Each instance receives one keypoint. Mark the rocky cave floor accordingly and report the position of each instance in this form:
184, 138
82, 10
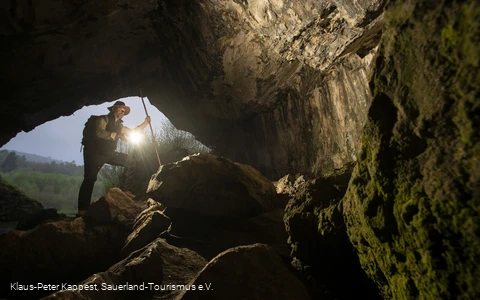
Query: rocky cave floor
260, 245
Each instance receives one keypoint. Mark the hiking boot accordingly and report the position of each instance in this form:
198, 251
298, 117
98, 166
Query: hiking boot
129, 194
80, 213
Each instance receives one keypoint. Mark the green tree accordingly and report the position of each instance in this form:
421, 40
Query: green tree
21, 162
10, 162
169, 138
172, 145
3, 155
40, 181
59, 191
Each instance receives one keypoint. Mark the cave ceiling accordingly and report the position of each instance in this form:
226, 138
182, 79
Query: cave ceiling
281, 85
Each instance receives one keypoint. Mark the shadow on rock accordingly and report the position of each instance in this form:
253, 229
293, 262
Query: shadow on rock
320, 245
246, 272
67, 250
45, 215
142, 274
213, 186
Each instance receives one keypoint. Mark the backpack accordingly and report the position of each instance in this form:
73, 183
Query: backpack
90, 135
89, 131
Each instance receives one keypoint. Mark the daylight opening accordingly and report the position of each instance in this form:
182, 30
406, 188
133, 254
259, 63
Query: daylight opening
47, 163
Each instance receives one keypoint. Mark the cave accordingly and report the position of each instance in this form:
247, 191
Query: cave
233, 74
385, 89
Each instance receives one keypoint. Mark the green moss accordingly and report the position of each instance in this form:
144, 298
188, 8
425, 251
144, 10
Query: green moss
460, 47
425, 245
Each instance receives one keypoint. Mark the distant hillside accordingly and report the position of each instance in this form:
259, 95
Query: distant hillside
34, 157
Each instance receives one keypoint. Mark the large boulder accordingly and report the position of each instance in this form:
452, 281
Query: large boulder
67, 250
114, 207
142, 274
216, 204
180, 266
209, 238
127, 277
14, 205
55, 252
212, 186
155, 271
246, 272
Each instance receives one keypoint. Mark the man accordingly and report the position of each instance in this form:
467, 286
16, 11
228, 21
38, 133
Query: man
101, 149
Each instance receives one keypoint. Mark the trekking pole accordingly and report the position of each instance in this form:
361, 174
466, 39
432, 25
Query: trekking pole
151, 130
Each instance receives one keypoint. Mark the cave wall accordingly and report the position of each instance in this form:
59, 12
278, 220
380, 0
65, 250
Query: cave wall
281, 85
413, 205
315, 127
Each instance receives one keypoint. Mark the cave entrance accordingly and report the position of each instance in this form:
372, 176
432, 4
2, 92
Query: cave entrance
60, 139
48, 163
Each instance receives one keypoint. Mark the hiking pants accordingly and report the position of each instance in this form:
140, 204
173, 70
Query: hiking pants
93, 161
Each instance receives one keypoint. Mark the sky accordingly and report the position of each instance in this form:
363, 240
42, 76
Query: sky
60, 139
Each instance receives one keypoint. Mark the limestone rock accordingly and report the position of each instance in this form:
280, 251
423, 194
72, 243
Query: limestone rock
59, 251
152, 206
288, 183
14, 205
155, 222
133, 274
286, 186
116, 207
208, 185
180, 266
154, 268
246, 272
412, 208
319, 243
68, 250
303, 219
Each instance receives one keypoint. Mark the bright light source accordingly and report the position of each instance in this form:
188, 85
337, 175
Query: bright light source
135, 137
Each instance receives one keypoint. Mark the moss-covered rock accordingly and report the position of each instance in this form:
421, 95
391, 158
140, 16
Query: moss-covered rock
14, 205
412, 207
319, 242
312, 218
